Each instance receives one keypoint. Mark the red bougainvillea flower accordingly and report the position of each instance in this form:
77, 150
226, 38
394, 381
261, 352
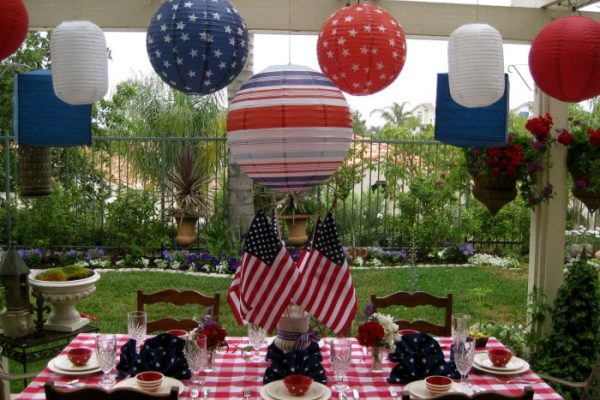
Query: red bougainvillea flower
565, 137
540, 126
594, 136
215, 335
580, 184
370, 334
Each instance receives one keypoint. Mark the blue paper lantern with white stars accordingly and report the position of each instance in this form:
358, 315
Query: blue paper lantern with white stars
197, 46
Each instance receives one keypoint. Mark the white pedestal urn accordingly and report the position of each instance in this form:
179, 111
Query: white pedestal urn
63, 296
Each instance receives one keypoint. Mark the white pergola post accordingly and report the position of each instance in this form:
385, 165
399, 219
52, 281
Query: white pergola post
547, 237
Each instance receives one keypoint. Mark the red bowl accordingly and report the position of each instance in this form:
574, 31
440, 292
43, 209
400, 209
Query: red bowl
178, 332
149, 381
406, 332
79, 356
297, 385
499, 357
437, 384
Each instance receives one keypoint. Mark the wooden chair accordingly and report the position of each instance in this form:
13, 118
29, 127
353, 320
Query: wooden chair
526, 395
178, 298
98, 393
414, 299
590, 388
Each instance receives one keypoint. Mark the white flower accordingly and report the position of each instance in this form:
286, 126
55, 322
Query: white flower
359, 261
390, 329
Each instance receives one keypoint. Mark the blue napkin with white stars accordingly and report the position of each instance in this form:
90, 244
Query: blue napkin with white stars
296, 362
418, 356
162, 353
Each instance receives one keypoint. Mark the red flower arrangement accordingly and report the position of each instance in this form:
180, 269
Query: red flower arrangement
583, 155
521, 159
215, 334
370, 334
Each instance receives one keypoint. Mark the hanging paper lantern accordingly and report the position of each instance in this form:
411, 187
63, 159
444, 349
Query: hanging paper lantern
289, 128
14, 22
197, 46
362, 48
79, 62
564, 59
476, 65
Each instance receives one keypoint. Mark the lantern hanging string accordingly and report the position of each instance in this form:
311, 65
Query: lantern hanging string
477, 11
289, 32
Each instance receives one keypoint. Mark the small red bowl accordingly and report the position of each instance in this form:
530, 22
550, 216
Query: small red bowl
499, 357
297, 385
149, 381
178, 332
406, 332
437, 384
79, 356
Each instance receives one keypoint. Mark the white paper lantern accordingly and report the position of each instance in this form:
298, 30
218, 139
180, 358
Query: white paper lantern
79, 62
476, 65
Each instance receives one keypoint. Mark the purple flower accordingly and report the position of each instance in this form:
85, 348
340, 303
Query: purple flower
534, 201
534, 167
233, 263
581, 184
93, 253
369, 309
537, 145
547, 192
466, 249
71, 253
167, 256
475, 152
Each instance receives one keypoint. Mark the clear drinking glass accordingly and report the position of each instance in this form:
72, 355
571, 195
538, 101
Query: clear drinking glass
106, 349
464, 352
341, 355
460, 326
136, 327
256, 336
196, 355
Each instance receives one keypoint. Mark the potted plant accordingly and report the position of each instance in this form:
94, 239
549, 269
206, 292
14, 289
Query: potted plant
187, 181
497, 170
62, 288
480, 330
296, 209
583, 161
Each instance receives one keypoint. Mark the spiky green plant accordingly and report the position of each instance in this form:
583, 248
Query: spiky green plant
188, 182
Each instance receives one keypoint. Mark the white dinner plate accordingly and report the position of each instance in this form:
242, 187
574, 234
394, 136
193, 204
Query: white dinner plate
62, 362
419, 390
164, 388
497, 371
483, 360
55, 368
276, 391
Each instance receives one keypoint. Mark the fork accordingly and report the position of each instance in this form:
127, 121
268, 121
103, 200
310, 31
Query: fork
247, 393
393, 394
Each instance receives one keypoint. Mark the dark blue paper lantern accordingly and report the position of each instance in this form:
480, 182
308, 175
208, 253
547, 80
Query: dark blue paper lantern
197, 46
41, 119
470, 127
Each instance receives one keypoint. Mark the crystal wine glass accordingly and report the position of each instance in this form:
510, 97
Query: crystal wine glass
136, 327
196, 355
106, 348
464, 352
256, 336
460, 326
341, 355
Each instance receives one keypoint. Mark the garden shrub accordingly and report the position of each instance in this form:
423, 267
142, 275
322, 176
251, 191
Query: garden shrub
573, 346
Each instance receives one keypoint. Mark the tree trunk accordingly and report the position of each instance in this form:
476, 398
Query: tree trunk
240, 203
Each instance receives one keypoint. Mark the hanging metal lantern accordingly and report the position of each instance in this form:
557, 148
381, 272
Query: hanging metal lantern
79, 62
14, 22
476, 65
362, 48
34, 171
289, 128
197, 46
14, 275
564, 59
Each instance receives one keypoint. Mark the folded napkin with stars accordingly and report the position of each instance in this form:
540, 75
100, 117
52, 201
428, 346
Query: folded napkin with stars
302, 362
418, 356
162, 353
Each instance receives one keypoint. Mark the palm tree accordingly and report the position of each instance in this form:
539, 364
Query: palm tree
394, 115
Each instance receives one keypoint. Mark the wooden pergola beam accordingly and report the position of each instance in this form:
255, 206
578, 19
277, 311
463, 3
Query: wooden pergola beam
423, 19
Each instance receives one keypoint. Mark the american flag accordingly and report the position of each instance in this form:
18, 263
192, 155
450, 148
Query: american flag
325, 286
264, 282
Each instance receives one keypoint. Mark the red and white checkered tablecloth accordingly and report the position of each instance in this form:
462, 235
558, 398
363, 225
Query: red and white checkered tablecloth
233, 373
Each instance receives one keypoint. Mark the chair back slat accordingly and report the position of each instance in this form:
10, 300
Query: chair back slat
97, 393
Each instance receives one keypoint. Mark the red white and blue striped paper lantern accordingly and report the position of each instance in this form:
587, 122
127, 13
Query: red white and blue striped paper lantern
289, 128
197, 46
362, 48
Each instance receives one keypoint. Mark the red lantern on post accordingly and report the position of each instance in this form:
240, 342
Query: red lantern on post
14, 22
564, 59
362, 48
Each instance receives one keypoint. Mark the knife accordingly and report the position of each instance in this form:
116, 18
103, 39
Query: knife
354, 394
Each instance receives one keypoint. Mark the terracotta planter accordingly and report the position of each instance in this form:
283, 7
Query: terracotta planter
494, 191
186, 230
296, 225
590, 198
63, 296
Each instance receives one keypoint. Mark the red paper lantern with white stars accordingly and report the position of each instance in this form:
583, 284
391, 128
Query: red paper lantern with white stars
362, 48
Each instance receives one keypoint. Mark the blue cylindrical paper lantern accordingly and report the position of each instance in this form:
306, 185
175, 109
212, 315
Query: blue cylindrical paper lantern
197, 46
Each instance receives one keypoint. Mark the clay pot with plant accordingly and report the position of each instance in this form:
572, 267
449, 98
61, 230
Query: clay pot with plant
192, 202
296, 209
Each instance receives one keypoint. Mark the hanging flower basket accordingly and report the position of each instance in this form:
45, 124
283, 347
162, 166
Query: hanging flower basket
494, 191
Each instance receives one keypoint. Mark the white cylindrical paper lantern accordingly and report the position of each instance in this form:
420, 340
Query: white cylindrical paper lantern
79, 62
476, 65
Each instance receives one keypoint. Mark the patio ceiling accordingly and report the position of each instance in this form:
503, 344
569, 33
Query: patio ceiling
518, 22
